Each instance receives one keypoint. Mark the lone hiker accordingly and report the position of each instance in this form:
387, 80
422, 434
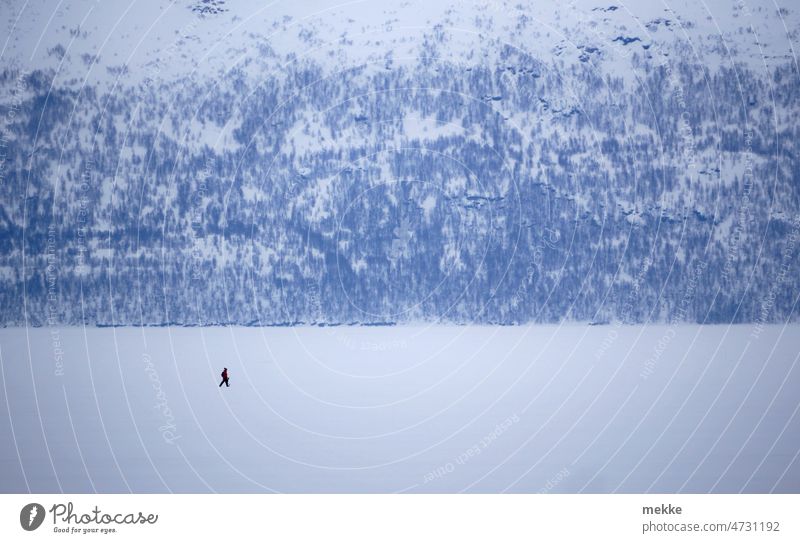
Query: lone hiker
225, 377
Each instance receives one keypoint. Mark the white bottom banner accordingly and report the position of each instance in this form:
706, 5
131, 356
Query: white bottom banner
437, 518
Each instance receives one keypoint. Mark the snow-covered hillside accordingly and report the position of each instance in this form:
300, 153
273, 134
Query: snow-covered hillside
211, 162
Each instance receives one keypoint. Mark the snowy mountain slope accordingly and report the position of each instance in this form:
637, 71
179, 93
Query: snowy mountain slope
85, 39
381, 162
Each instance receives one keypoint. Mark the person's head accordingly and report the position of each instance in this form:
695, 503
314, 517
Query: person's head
226, 369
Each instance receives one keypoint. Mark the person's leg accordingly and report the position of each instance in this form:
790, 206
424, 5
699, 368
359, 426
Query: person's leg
227, 384
220, 383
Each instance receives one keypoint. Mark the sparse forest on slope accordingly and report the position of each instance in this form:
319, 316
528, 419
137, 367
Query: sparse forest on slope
503, 189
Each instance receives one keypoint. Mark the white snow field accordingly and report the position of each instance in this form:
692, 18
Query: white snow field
571, 408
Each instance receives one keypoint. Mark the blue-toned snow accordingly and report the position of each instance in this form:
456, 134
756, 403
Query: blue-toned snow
570, 408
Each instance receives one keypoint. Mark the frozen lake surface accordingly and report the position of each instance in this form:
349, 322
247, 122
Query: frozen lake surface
570, 408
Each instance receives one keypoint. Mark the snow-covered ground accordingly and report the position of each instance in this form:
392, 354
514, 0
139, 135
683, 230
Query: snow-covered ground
94, 42
570, 408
